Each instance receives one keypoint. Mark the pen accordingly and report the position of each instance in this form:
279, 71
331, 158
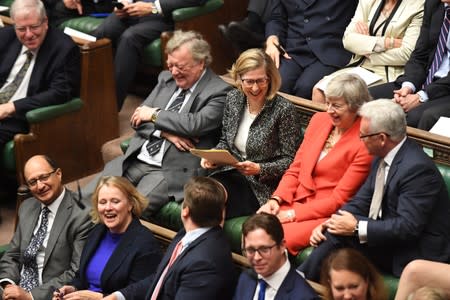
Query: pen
280, 48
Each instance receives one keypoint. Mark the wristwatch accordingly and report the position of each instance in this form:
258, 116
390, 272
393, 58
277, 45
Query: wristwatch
154, 9
356, 230
155, 115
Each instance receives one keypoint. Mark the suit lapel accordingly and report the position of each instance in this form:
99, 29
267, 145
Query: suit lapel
10, 58
28, 229
90, 248
287, 285
200, 87
121, 252
62, 215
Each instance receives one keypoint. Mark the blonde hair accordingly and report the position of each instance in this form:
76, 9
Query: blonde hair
252, 59
137, 201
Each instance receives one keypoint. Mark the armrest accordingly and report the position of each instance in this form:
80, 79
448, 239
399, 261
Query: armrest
187, 13
124, 145
49, 112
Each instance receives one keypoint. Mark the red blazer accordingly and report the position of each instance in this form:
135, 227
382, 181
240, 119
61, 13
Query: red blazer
318, 189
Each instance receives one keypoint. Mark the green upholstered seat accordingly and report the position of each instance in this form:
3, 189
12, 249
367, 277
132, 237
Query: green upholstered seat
37, 115
3, 249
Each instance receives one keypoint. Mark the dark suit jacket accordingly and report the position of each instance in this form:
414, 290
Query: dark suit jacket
416, 69
415, 209
204, 270
310, 29
137, 255
294, 286
62, 255
276, 126
56, 74
200, 118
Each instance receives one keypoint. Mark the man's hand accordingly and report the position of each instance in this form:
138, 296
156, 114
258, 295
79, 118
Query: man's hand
139, 9
401, 93
342, 223
7, 109
142, 114
273, 51
317, 235
182, 143
122, 13
74, 4
83, 295
65, 290
271, 207
15, 292
110, 297
248, 168
409, 102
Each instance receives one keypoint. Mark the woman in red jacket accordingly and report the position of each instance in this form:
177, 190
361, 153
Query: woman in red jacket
328, 168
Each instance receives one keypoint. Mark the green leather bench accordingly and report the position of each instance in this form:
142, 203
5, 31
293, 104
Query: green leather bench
153, 53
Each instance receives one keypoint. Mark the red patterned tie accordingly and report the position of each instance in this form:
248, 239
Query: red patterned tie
173, 257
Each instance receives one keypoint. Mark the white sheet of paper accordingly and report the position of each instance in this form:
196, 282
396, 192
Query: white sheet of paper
367, 76
79, 34
442, 127
3, 8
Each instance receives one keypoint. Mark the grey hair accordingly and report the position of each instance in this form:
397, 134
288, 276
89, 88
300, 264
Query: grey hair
385, 116
351, 87
199, 48
27, 7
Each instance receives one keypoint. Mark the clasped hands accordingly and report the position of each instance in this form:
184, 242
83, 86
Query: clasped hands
341, 223
273, 207
406, 99
15, 292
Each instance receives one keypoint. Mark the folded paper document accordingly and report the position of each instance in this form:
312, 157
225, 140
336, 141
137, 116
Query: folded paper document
216, 156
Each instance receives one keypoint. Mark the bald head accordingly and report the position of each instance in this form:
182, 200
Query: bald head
43, 178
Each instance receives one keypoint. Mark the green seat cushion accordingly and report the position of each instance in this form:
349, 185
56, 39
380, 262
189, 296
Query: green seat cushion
9, 158
187, 13
169, 216
124, 145
3, 249
83, 24
233, 229
152, 54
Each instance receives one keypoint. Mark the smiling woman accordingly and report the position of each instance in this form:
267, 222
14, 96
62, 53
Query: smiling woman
119, 250
260, 129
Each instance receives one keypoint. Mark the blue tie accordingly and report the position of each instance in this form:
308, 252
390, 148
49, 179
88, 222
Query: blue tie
262, 289
441, 48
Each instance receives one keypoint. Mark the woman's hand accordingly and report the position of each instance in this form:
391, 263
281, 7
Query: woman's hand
206, 164
59, 294
271, 207
286, 216
362, 28
83, 295
248, 168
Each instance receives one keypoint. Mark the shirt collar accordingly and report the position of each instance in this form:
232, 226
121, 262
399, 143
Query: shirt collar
192, 235
55, 204
391, 154
192, 88
276, 279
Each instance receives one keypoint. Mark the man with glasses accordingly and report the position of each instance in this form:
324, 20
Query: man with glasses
46, 247
271, 276
401, 211
39, 66
183, 111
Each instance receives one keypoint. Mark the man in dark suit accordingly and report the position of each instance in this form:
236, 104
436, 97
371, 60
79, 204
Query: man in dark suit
401, 211
55, 225
132, 28
197, 264
310, 33
161, 173
422, 95
46, 75
272, 275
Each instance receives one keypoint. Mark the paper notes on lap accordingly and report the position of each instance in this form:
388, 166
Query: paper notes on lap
216, 156
368, 76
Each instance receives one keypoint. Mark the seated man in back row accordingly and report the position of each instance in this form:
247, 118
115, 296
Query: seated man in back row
183, 111
401, 211
39, 66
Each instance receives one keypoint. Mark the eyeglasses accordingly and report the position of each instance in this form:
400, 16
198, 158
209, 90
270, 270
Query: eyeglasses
259, 82
363, 136
334, 106
181, 68
41, 178
32, 28
263, 250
